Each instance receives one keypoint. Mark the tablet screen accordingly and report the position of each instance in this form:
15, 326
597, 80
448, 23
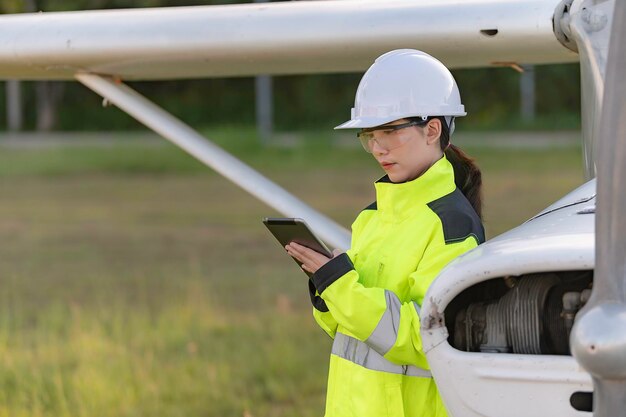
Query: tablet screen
287, 230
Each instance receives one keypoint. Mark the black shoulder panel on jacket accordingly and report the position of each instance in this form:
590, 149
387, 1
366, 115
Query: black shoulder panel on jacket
372, 206
458, 218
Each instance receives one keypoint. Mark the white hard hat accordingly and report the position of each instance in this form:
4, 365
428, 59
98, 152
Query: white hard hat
404, 83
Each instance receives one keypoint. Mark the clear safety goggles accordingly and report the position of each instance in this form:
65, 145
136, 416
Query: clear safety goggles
388, 137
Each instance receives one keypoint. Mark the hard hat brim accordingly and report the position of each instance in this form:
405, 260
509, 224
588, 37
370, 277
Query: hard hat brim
367, 122
364, 122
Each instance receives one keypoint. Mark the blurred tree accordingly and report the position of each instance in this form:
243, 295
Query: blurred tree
67, 5
12, 6
559, 86
49, 95
489, 94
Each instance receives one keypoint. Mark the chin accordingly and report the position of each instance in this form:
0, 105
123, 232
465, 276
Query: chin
398, 178
402, 176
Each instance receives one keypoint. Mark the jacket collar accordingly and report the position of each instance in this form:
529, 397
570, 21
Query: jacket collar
396, 201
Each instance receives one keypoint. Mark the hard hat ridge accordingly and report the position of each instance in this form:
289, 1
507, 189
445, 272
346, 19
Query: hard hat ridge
398, 52
404, 83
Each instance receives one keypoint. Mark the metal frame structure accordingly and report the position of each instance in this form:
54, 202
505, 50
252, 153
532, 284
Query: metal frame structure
588, 23
599, 336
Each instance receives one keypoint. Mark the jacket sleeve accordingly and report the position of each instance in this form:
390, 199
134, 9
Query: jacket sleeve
321, 314
376, 316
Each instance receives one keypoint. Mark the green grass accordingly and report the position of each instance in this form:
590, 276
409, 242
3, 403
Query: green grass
136, 282
130, 156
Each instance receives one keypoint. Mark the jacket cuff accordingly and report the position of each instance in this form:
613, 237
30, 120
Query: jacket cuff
316, 300
331, 272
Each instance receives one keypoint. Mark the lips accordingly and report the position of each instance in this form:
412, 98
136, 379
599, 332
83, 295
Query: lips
387, 165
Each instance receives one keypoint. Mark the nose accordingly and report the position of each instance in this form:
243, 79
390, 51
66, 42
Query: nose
377, 149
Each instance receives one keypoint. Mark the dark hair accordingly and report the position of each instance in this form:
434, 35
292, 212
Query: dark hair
467, 176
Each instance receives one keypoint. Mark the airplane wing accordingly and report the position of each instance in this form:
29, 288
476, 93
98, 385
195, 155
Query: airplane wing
275, 38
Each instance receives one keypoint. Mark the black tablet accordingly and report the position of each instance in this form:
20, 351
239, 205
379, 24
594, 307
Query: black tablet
287, 230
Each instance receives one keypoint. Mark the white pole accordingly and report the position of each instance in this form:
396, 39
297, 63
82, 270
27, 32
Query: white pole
264, 106
527, 93
14, 106
215, 157
264, 102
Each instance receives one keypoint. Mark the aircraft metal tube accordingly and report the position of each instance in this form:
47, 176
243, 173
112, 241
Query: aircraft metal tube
590, 28
275, 38
213, 156
598, 338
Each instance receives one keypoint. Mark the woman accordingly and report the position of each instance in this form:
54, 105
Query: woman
427, 212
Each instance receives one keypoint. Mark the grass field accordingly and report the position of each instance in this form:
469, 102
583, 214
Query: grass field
136, 282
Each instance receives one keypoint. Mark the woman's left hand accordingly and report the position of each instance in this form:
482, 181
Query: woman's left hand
311, 260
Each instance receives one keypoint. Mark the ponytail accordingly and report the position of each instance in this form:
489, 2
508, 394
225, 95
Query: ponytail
467, 176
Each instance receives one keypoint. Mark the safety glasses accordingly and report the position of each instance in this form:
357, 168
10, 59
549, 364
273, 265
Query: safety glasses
388, 138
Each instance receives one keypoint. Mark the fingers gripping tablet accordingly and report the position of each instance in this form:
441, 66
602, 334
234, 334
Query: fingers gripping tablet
287, 230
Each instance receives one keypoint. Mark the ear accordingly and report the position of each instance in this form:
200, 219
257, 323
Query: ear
433, 132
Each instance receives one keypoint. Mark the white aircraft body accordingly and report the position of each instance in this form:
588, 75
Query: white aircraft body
496, 323
506, 335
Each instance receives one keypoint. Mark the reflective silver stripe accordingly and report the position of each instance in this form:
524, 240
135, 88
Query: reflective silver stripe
415, 371
360, 353
384, 335
418, 308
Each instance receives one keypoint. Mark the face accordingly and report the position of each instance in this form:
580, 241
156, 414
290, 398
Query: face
419, 150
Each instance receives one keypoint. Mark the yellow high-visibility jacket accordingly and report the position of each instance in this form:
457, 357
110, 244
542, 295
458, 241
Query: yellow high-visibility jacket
369, 299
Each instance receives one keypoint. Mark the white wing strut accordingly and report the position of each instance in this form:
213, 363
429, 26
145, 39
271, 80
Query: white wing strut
598, 339
590, 24
212, 155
